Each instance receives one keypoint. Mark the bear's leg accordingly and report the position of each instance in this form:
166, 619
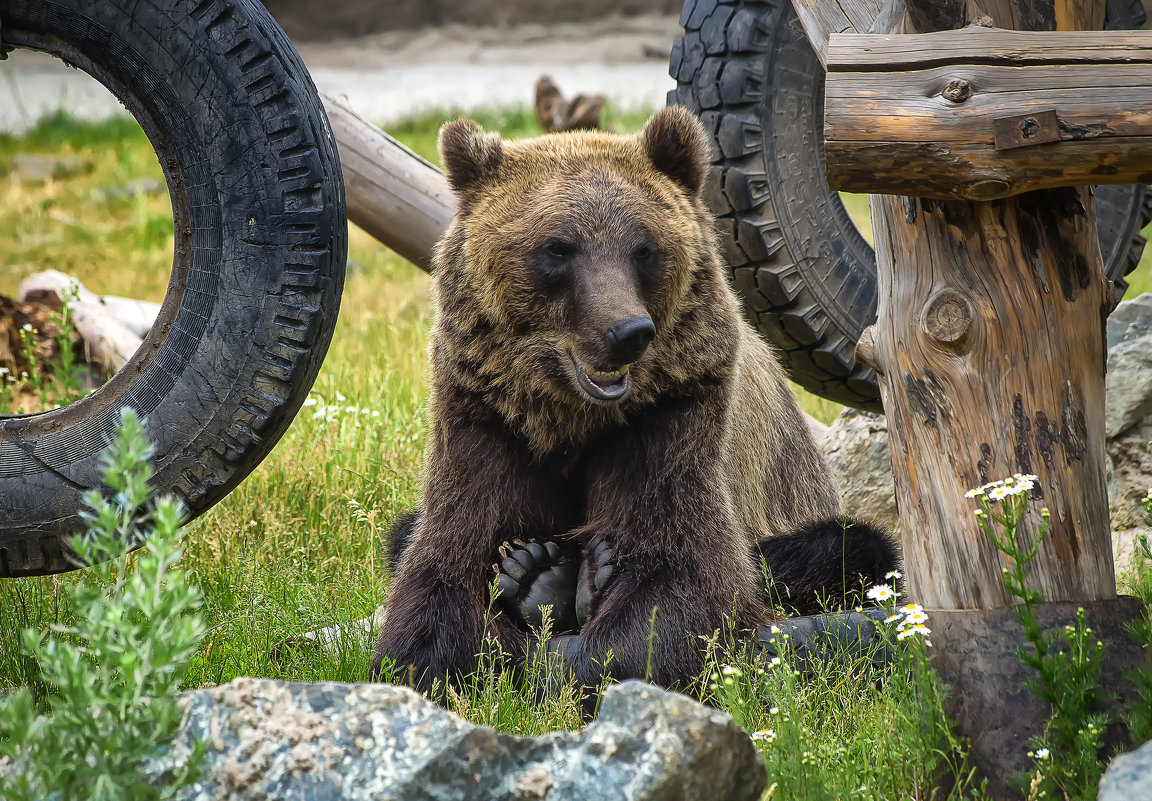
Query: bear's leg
535, 575
438, 607
825, 565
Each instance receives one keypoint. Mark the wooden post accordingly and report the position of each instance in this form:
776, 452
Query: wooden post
989, 344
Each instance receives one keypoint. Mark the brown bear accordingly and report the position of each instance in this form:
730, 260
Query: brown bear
594, 385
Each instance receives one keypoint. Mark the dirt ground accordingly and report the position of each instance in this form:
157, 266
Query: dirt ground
391, 74
311, 20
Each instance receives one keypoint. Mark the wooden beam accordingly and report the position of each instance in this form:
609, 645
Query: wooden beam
989, 346
853, 52
951, 118
392, 193
821, 18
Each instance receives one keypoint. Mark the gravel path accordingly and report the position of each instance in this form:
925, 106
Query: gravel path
391, 75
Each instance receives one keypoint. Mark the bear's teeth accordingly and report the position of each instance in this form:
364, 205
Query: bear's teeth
592, 371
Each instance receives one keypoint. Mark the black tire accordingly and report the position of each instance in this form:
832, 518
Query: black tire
261, 244
806, 276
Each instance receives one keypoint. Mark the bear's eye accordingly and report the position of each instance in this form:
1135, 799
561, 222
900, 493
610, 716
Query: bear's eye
646, 257
559, 249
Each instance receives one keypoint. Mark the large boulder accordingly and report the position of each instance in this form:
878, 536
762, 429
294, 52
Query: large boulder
856, 447
323, 742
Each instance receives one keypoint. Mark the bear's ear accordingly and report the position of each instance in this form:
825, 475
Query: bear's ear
469, 155
678, 146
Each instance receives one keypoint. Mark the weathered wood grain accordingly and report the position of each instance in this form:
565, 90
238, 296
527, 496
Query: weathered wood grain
932, 131
392, 193
990, 353
822, 18
863, 52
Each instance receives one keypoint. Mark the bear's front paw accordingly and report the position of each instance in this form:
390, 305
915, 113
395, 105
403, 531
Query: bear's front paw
595, 572
534, 575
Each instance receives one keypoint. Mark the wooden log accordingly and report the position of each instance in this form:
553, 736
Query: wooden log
878, 52
392, 193
822, 18
947, 117
989, 343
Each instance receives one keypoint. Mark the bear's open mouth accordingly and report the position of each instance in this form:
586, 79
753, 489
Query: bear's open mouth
601, 385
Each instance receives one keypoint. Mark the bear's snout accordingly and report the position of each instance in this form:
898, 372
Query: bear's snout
628, 340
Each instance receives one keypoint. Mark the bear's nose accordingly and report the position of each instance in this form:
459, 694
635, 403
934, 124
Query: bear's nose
629, 339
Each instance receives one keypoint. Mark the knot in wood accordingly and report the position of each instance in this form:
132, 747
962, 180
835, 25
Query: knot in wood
948, 318
987, 189
957, 91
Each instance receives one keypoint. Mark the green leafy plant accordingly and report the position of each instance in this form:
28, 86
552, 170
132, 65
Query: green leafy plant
28, 345
1067, 754
54, 381
68, 374
111, 674
1139, 712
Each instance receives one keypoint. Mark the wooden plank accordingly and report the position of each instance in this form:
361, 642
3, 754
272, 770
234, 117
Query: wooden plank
856, 52
821, 18
392, 193
898, 133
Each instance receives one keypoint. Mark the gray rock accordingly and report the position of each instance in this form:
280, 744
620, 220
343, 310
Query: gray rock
271, 739
1129, 777
1129, 380
1130, 320
1129, 479
856, 447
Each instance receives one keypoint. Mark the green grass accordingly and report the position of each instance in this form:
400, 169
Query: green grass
298, 544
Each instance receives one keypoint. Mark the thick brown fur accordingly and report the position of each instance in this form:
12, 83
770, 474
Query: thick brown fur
706, 453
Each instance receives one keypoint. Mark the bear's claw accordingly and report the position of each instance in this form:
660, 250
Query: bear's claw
595, 571
533, 575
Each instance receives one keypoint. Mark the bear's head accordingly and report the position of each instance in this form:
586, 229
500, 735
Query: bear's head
577, 248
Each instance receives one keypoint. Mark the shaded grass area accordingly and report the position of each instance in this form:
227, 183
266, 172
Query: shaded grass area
298, 545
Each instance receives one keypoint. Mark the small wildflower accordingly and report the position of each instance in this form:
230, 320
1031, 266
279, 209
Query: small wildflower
1042, 753
774, 710
974, 493
731, 670
774, 662
340, 398
980, 513
767, 735
310, 401
894, 574
919, 630
881, 592
28, 327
